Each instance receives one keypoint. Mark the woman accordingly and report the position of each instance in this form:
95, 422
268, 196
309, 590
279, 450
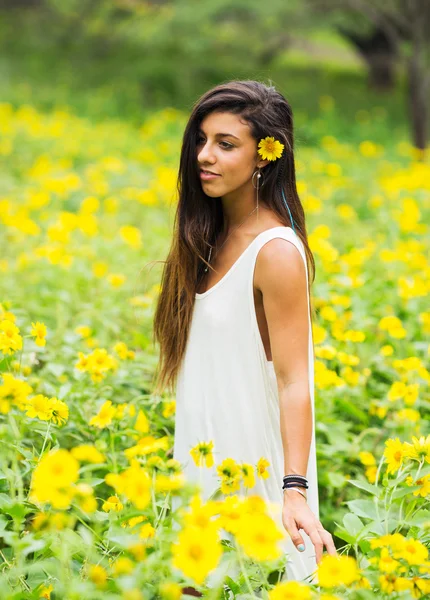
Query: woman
233, 318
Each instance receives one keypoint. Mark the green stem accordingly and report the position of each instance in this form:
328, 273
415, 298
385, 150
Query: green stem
163, 510
112, 448
243, 569
154, 504
419, 469
44, 441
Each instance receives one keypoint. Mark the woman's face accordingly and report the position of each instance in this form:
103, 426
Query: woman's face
225, 147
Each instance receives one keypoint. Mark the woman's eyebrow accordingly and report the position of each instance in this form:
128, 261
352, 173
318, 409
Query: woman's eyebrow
220, 134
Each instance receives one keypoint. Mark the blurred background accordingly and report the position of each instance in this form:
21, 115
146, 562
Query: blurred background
125, 58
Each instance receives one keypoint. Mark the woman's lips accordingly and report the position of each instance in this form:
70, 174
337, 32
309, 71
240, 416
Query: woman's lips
208, 176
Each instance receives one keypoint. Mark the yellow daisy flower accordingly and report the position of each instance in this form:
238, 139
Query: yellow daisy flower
269, 148
262, 465
202, 454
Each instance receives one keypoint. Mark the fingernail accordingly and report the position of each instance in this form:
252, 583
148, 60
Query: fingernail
301, 547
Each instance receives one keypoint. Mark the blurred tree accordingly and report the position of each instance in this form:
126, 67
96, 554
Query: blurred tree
396, 30
379, 52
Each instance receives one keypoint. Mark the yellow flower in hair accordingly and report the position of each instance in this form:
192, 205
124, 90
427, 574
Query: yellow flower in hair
270, 148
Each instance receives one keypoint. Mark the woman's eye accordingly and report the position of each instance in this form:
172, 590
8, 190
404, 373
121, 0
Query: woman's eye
227, 146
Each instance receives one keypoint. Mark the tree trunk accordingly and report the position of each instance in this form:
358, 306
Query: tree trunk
382, 73
380, 55
417, 101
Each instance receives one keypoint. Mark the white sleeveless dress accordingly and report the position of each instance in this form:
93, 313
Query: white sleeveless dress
227, 392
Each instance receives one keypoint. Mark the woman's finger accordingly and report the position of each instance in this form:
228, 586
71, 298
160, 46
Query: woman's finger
314, 534
327, 538
291, 527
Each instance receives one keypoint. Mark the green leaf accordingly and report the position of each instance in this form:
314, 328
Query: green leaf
55, 369
343, 534
420, 518
337, 480
232, 585
33, 545
16, 511
348, 407
364, 485
353, 524
365, 508
405, 491
425, 470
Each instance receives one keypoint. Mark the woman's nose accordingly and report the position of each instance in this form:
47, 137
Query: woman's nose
205, 154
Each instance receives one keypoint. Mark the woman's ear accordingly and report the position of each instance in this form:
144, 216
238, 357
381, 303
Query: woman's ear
262, 163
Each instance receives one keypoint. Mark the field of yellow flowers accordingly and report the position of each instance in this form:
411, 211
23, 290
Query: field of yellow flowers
87, 475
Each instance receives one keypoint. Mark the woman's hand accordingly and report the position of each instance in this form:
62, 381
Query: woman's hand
296, 515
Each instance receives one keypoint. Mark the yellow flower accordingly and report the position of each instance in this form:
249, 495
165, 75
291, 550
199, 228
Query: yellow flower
104, 416
134, 483
83, 330
116, 279
131, 236
169, 483
146, 531
98, 575
113, 503
138, 550
290, 590
169, 409
230, 474
420, 448
60, 411
396, 541
196, 555
394, 453
269, 148
39, 332
123, 566
386, 562
228, 468
147, 445
53, 478
262, 465
337, 570
45, 591
170, 590
367, 458
133, 521
424, 482
86, 452
248, 475
390, 583
230, 513
259, 535
10, 338
142, 423
13, 392
58, 467
121, 349
39, 406
413, 551
202, 454
201, 514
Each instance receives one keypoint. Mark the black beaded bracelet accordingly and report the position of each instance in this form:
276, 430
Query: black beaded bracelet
294, 475
292, 484
296, 480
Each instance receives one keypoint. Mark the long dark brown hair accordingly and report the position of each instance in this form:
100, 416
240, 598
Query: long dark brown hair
199, 218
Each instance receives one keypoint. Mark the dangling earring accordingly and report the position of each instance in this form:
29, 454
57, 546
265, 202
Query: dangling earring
260, 183
271, 149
